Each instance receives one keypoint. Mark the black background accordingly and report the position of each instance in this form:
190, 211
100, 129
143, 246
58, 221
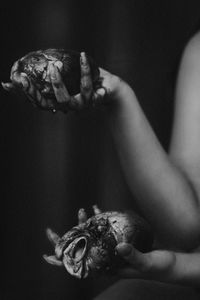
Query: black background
51, 165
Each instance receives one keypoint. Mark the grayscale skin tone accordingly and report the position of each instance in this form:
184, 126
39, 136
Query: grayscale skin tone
54, 237
165, 185
64, 102
89, 248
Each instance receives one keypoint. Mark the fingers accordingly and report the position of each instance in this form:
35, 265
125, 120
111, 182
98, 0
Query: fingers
61, 93
36, 98
86, 97
82, 216
137, 259
86, 86
161, 260
52, 236
77, 103
64, 100
23, 82
153, 262
99, 96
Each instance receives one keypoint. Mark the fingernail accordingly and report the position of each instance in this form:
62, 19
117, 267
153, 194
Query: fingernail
123, 249
52, 71
24, 82
59, 64
82, 215
83, 58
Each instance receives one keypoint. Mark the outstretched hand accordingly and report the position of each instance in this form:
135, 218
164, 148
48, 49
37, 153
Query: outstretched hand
89, 95
161, 265
152, 265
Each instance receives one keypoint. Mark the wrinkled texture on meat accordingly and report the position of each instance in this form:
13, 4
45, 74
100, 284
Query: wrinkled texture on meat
89, 248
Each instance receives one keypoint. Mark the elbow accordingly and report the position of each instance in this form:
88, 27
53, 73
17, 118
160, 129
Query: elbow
184, 237
188, 237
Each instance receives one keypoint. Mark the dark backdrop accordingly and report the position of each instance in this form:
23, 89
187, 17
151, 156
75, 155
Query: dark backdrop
51, 165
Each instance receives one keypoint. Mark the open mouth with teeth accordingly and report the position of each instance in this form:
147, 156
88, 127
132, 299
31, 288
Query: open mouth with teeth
74, 257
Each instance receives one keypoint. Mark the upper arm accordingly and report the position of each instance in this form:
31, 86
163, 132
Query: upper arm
185, 143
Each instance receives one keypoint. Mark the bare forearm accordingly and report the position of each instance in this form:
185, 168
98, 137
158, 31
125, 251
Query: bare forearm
182, 268
162, 191
186, 269
160, 265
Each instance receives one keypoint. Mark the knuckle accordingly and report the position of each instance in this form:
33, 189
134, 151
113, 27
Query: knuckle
61, 97
56, 83
86, 84
43, 103
85, 69
86, 87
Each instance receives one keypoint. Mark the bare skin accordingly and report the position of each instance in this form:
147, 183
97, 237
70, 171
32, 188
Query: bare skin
161, 265
172, 205
165, 186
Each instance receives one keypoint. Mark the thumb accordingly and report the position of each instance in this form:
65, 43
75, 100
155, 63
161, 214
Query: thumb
124, 249
138, 260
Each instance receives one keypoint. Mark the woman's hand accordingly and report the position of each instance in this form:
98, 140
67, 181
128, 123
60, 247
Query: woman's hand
89, 95
161, 265
146, 265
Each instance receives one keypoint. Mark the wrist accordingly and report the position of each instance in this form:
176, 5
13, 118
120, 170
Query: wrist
117, 90
120, 92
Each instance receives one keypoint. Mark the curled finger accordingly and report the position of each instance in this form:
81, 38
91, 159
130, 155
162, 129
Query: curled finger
61, 93
86, 86
82, 216
76, 102
36, 98
99, 96
138, 260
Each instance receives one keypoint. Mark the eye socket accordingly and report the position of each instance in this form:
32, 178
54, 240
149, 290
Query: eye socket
79, 249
